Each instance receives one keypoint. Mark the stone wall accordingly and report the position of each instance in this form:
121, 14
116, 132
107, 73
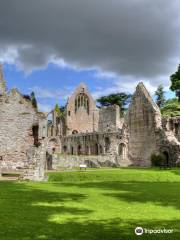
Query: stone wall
148, 134
82, 116
172, 124
36, 158
109, 119
143, 119
72, 161
18, 129
97, 143
81, 112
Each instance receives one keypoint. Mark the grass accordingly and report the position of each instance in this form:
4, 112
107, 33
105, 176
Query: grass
101, 204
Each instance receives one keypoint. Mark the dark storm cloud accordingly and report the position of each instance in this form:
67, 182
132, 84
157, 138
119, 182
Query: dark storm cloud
139, 38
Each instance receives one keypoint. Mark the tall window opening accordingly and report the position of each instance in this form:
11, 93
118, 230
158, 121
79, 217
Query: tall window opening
35, 130
122, 151
82, 100
107, 144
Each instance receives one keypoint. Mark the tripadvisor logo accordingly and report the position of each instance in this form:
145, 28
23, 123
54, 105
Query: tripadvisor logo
139, 231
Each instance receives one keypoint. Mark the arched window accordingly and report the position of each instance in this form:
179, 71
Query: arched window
82, 100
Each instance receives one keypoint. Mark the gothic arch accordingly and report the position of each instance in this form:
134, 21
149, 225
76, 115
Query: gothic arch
82, 100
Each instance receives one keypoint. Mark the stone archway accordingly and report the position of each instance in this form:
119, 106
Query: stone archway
53, 145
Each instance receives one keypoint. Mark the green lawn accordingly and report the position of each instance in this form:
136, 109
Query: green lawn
94, 205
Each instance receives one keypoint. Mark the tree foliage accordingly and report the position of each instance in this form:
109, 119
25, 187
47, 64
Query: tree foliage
57, 110
33, 100
160, 98
175, 82
171, 108
120, 99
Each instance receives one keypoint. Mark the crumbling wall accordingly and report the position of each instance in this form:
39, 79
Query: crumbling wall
74, 161
172, 124
93, 143
16, 134
143, 119
109, 118
148, 134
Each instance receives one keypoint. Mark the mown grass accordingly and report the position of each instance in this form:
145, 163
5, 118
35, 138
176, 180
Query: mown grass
100, 204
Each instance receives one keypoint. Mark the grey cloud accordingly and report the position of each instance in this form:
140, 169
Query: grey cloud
139, 38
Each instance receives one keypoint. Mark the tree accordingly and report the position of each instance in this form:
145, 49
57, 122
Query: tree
175, 83
33, 100
159, 93
57, 110
171, 108
121, 99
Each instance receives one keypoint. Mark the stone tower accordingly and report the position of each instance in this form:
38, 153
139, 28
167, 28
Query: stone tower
2, 81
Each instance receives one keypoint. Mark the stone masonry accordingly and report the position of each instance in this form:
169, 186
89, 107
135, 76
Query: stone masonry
33, 142
129, 141
21, 128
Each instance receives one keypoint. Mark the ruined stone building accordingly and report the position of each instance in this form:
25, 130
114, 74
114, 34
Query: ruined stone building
22, 128
101, 134
83, 133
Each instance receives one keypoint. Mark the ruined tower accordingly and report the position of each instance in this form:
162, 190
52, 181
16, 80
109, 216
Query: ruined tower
2, 81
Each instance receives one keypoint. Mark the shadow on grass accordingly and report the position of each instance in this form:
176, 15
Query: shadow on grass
26, 215
176, 171
159, 193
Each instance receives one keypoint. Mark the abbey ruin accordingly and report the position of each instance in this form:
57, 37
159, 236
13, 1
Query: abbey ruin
33, 141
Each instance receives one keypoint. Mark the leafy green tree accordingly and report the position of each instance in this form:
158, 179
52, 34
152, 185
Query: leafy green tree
160, 98
175, 83
121, 99
171, 108
33, 100
57, 110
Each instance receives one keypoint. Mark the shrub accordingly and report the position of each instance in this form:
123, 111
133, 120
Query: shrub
157, 159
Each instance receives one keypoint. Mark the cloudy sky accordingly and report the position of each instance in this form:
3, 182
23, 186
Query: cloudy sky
50, 46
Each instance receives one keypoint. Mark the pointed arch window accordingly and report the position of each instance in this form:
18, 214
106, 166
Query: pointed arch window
82, 100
